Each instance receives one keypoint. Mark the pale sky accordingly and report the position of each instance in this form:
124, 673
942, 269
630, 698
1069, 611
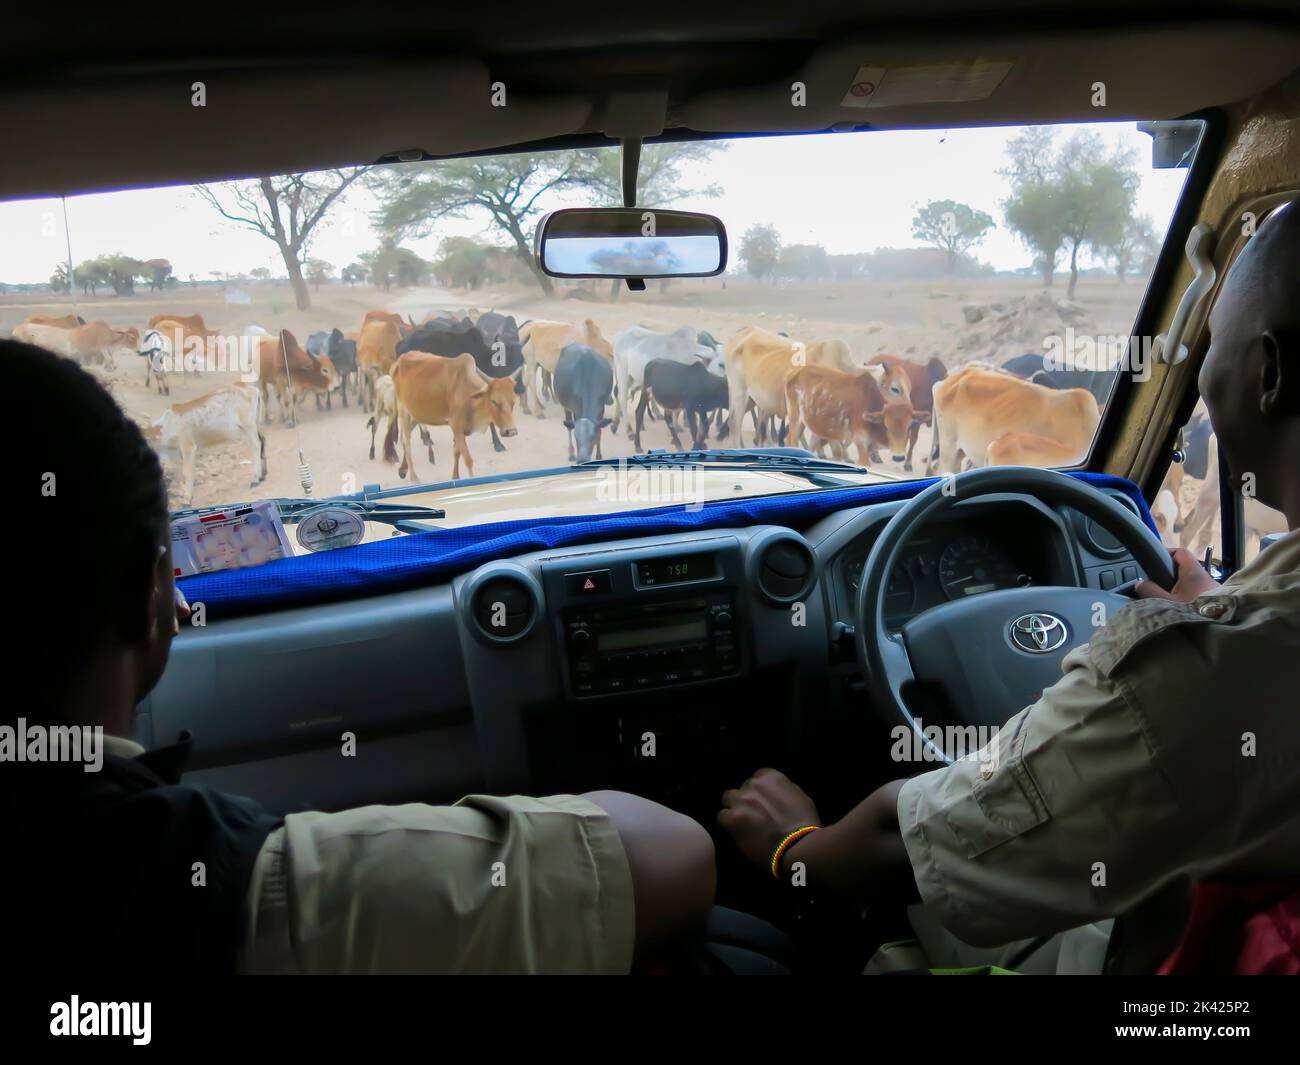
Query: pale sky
849, 192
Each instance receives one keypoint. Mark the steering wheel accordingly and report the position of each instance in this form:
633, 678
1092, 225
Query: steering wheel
992, 654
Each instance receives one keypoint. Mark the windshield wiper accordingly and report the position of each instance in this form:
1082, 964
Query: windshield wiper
402, 516
808, 466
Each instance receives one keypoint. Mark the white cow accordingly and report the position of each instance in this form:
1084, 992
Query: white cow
635, 348
226, 416
156, 350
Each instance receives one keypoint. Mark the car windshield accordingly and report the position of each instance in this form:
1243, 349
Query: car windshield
869, 274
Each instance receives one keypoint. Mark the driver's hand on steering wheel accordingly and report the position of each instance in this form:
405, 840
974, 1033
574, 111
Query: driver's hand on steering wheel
760, 813
1192, 581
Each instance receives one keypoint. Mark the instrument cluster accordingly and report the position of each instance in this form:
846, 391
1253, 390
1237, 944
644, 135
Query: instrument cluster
952, 561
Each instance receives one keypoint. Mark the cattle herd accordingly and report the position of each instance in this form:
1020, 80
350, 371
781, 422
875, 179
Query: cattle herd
470, 371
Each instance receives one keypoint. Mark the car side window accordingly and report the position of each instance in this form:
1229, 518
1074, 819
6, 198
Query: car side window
1188, 509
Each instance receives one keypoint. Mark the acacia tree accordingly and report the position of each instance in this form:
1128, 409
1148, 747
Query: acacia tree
159, 271
1135, 249
319, 271
287, 210
953, 227
760, 251
1078, 197
389, 264
513, 191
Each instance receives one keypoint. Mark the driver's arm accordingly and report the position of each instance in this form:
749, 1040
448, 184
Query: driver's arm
861, 852
1126, 774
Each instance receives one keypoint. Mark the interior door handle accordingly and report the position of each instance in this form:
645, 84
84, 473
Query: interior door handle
1169, 347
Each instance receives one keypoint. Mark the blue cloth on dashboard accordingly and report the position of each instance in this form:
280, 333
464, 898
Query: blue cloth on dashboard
427, 558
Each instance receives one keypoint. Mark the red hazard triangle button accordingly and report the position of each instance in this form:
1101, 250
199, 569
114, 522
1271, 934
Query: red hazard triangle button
588, 582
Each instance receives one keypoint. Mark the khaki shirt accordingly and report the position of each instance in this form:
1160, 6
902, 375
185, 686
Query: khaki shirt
1169, 750
489, 885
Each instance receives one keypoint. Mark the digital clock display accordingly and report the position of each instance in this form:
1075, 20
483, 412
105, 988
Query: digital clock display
676, 569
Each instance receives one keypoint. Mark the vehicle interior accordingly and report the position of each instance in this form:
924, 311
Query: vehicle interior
674, 663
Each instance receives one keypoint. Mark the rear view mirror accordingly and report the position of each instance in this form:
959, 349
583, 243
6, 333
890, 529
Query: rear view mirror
630, 242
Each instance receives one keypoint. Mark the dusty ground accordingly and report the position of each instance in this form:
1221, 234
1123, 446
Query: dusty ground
905, 318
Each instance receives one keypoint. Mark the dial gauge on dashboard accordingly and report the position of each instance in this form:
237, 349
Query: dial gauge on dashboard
974, 564
901, 594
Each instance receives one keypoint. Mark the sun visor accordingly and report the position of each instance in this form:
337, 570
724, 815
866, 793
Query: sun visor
1089, 76
191, 126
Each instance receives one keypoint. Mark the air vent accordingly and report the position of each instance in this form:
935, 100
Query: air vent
782, 567
502, 605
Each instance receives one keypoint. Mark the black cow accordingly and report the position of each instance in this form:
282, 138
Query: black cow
1032, 367
493, 325
509, 356
343, 353
498, 357
692, 389
496, 354
584, 386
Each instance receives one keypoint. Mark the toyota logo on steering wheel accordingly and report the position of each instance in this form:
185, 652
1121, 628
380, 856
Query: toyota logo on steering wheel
1038, 634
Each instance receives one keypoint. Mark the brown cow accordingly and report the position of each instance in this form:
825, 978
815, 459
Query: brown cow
758, 362
192, 322
93, 344
435, 390
923, 378
1030, 449
284, 365
542, 342
66, 321
868, 407
376, 353
977, 405
405, 326
182, 333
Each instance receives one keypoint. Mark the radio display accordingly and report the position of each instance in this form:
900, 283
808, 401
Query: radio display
631, 639
674, 569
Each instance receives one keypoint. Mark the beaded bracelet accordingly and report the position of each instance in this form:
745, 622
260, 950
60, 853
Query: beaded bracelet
798, 833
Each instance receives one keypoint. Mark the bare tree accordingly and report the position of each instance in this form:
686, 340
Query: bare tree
286, 210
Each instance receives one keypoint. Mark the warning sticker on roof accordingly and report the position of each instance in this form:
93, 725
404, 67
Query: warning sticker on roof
949, 82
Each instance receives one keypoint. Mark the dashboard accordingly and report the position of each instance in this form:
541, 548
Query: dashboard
551, 671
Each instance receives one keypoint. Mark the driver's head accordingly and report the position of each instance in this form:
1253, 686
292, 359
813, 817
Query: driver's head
1251, 375
86, 539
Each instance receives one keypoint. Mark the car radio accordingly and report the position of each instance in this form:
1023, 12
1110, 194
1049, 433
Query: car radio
619, 648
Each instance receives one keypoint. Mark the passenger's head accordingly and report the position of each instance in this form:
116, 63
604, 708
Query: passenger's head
87, 541
1251, 375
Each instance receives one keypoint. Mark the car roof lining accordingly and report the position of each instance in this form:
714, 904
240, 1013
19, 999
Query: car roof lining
104, 116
